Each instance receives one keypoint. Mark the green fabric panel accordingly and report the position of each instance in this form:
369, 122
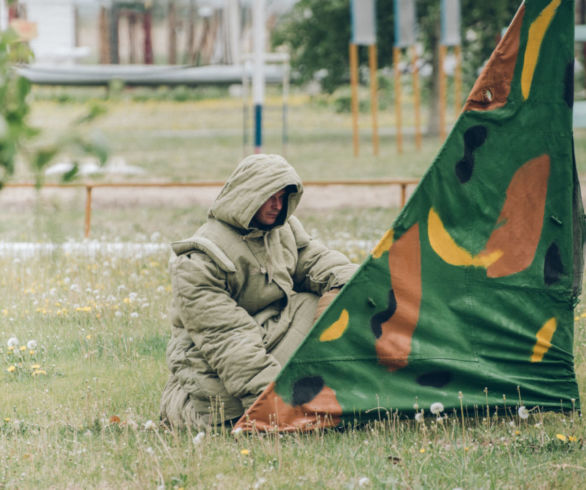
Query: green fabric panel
475, 334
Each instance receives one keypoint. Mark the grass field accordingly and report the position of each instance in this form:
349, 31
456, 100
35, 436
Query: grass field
80, 408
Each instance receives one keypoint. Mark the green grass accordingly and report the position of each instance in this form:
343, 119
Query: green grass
83, 421
101, 325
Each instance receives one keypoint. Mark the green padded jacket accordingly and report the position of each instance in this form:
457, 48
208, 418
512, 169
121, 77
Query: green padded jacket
237, 290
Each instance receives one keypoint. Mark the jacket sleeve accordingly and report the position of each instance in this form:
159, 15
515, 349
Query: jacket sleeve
319, 268
228, 337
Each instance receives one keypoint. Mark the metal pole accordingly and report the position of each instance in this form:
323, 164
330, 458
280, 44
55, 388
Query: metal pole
245, 104
258, 79
398, 116
458, 79
442, 92
373, 96
286, 74
354, 91
417, 98
3, 16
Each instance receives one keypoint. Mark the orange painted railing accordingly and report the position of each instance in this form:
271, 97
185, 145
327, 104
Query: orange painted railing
402, 183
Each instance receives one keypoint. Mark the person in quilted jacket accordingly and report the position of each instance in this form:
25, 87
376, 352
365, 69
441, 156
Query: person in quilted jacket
246, 288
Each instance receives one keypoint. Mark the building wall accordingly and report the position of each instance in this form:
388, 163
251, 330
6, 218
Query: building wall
55, 27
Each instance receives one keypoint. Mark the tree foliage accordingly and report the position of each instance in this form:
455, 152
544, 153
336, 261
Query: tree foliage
317, 34
17, 137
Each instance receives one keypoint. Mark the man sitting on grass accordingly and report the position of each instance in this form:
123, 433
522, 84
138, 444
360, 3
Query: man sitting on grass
246, 289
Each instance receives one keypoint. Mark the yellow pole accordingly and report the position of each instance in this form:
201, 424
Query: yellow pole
373, 96
354, 88
458, 79
442, 92
396, 58
417, 98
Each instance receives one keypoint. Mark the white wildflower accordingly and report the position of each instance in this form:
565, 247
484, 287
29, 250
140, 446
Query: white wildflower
419, 417
161, 289
31, 345
13, 342
523, 412
118, 314
198, 439
134, 314
150, 450
436, 408
260, 482
364, 481
237, 431
150, 425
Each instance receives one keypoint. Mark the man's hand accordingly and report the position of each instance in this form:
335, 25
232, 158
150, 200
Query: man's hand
324, 302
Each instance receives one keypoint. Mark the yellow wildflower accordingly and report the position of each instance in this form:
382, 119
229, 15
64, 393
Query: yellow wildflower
88, 336
36, 372
11, 369
23, 347
561, 437
5, 312
6, 419
422, 450
571, 439
31, 352
244, 452
36, 366
84, 309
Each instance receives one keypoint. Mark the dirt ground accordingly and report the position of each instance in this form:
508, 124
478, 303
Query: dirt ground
315, 197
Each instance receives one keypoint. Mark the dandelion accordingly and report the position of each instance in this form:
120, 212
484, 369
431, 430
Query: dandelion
523, 412
561, 437
198, 439
12, 342
260, 482
36, 366
11, 369
236, 432
422, 450
571, 438
37, 372
244, 452
419, 417
436, 408
150, 425
364, 481
22, 348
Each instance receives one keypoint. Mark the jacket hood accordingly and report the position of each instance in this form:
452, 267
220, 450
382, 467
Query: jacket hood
255, 179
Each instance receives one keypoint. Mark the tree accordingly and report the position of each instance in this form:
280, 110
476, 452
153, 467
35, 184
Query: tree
317, 34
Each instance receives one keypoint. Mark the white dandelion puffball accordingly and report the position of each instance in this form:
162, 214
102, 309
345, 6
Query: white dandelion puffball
199, 438
436, 408
419, 417
523, 412
237, 431
13, 342
364, 481
149, 425
31, 345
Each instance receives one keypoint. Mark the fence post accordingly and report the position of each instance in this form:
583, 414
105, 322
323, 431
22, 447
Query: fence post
88, 210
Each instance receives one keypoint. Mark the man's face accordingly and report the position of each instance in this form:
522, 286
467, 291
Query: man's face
268, 213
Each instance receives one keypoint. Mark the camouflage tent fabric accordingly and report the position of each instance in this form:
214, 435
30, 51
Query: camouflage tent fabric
469, 296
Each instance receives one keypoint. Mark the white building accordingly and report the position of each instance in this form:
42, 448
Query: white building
56, 24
